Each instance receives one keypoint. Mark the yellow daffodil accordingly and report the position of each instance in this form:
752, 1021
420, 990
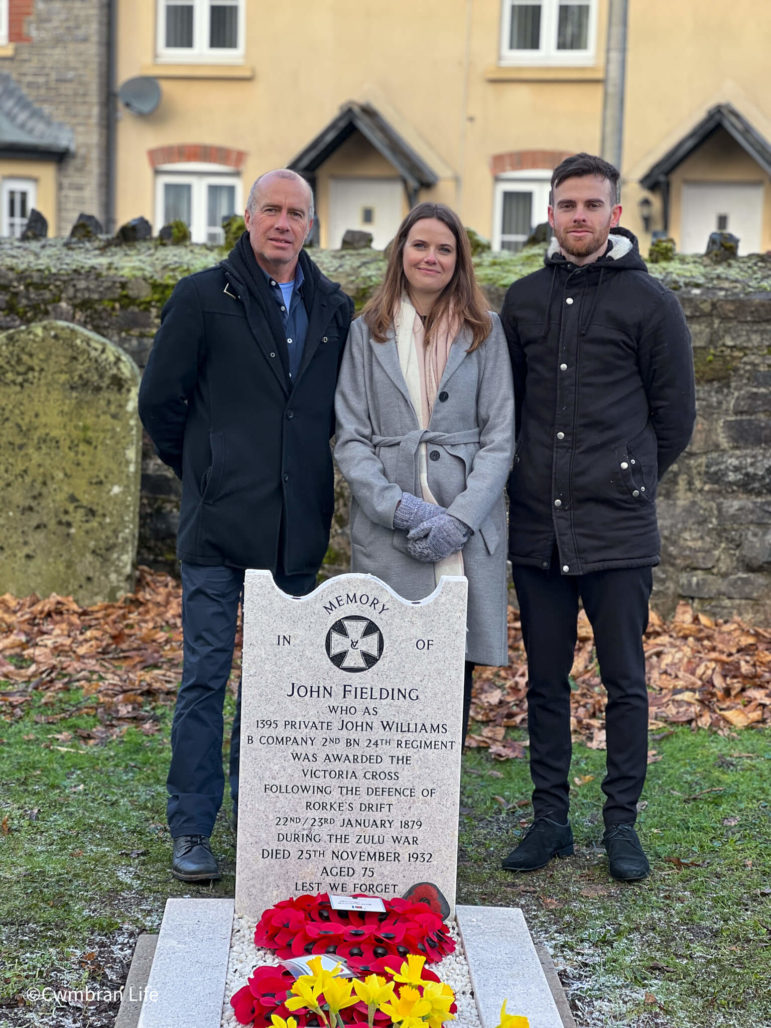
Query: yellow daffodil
411, 970
512, 1020
279, 1022
409, 1005
305, 992
441, 997
321, 976
338, 994
374, 991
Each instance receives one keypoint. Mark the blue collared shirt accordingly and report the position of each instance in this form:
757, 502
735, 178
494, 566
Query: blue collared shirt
294, 317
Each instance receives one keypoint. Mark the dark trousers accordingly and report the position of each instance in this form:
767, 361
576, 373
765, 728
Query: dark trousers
468, 685
196, 782
616, 603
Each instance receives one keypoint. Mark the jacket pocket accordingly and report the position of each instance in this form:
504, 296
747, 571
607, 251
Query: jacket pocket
211, 480
638, 466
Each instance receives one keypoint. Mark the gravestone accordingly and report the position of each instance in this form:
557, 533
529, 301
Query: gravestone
349, 783
69, 464
351, 741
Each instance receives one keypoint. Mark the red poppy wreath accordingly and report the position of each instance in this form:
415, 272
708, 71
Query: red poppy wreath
366, 940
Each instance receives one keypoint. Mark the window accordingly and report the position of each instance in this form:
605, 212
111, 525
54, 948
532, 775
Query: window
201, 30
3, 22
521, 199
18, 199
548, 32
201, 195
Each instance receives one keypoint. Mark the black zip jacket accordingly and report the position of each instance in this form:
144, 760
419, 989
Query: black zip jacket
252, 447
603, 378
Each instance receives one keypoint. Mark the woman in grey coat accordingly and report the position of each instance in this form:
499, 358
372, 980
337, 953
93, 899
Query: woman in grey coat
425, 430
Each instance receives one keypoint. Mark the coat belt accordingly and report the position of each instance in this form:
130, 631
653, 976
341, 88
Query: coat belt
407, 463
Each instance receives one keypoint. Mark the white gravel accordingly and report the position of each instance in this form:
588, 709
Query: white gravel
245, 956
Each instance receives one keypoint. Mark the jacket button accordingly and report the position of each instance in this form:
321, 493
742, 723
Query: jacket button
642, 488
289, 415
635, 492
443, 396
558, 503
434, 455
569, 299
285, 477
566, 568
560, 435
272, 355
324, 339
563, 367
544, 564
624, 465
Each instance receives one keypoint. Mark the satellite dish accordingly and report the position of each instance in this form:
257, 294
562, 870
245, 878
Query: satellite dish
141, 95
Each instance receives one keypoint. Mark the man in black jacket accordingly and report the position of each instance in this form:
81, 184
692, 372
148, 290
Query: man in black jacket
603, 378
238, 398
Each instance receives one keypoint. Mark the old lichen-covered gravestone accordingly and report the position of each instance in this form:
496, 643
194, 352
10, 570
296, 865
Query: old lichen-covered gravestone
69, 463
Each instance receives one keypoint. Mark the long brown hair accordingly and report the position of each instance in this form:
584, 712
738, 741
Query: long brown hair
461, 297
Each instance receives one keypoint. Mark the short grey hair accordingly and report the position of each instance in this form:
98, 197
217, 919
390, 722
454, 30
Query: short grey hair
251, 203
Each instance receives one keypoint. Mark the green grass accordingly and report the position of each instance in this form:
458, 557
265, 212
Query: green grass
85, 854
687, 947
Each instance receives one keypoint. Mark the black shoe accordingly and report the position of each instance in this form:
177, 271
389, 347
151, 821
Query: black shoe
193, 859
626, 860
543, 840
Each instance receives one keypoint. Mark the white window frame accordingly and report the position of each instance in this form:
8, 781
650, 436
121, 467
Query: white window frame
547, 54
534, 181
4, 5
199, 176
22, 185
200, 51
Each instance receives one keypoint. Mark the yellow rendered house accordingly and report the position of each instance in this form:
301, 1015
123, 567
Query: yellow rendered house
469, 102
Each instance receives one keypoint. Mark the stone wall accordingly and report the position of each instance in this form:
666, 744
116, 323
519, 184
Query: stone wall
715, 503
61, 64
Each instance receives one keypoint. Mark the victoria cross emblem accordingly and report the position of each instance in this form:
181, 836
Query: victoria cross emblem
354, 644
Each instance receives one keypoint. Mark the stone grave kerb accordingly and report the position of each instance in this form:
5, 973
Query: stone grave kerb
351, 739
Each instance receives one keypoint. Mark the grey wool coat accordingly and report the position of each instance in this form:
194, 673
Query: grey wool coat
470, 442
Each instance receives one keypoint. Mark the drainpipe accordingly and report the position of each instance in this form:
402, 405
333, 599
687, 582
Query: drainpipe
110, 155
615, 75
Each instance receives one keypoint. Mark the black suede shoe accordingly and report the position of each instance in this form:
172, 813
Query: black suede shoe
193, 859
626, 860
543, 840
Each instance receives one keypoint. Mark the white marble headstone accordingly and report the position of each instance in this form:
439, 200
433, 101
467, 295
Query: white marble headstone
350, 740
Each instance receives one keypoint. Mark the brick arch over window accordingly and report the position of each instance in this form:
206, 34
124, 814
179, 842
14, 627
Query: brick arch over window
18, 13
203, 153
524, 160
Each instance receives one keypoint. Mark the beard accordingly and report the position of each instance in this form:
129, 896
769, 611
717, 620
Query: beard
585, 245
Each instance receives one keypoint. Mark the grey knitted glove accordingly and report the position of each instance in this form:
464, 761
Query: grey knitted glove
412, 511
438, 538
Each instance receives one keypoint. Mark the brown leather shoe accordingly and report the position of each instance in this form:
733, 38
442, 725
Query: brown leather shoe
193, 860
